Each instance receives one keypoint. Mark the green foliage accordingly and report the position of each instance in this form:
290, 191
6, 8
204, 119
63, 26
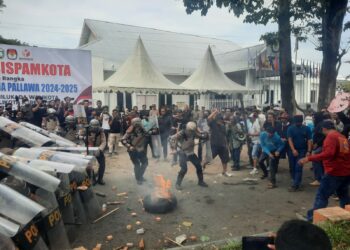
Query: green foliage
232, 245
270, 38
338, 234
11, 41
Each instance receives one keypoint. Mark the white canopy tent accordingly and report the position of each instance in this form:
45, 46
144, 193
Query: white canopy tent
209, 78
138, 74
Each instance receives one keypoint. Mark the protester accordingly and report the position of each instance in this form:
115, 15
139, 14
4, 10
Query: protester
235, 142
272, 145
335, 156
115, 131
219, 145
164, 121
300, 143
203, 127
253, 133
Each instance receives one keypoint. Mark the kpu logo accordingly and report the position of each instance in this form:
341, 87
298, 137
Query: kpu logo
12, 54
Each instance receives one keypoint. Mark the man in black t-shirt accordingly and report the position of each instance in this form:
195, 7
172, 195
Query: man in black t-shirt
219, 145
114, 132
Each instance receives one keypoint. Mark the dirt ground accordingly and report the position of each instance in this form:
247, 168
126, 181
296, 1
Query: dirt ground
229, 207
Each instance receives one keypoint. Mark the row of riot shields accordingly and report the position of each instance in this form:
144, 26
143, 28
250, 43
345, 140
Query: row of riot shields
41, 204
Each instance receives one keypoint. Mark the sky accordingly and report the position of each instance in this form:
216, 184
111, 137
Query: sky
58, 23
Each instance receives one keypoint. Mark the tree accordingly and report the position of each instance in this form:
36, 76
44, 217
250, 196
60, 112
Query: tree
280, 11
332, 14
322, 17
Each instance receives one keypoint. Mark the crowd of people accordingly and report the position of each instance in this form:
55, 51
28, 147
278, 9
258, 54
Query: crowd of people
199, 135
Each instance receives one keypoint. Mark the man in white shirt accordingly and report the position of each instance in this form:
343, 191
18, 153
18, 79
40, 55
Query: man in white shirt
254, 133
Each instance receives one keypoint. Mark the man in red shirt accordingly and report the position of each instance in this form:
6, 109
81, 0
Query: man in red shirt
335, 156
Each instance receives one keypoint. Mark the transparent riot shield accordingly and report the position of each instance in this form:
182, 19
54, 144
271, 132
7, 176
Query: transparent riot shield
76, 150
156, 143
51, 166
8, 228
14, 167
17, 207
26, 135
78, 160
62, 142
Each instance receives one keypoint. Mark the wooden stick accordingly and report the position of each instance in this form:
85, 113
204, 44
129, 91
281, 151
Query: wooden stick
105, 215
115, 202
173, 241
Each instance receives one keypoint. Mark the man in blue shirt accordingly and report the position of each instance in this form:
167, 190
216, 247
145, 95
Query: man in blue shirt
300, 143
272, 145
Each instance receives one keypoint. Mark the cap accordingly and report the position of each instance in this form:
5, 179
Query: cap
328, 124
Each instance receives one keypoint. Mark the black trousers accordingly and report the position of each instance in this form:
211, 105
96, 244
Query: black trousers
101, 166
140, 161
273, 163
164, 141
183, 158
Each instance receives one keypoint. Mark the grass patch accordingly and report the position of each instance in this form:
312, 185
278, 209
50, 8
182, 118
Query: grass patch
232, 245
339, 234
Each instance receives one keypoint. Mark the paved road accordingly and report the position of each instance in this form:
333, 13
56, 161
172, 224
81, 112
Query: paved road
229, 207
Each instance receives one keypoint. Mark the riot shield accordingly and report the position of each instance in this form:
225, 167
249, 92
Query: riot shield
26, 135
88, 197
13, 237
51, 166
78, 160
52, 220
77, 150
14, 167
16, 206
156, 143
62, 142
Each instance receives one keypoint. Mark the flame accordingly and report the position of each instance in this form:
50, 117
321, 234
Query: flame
162, 188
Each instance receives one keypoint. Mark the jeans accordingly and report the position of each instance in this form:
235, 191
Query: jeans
273, 163
290, 162
236, 157
318, 166
329, 186
183, 158
208, 153
140, 161
164, 141
297, 169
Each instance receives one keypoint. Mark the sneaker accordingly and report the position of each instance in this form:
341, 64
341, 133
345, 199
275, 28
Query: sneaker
139, 182
254, 171
271, 186
315, 183
263, 177
202, 184
294, 189
226, 174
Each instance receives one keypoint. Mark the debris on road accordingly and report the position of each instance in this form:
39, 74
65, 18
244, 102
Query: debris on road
105, 215
181, 239
142, 244
173, 241
140, 231
187, 223
109, 237
133, 214
138, 223
130, 244
193, 238
97, 247
158, 219
122, 194
104, 207
115, 202
204, 238
100, 194
80, 248
129, 227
